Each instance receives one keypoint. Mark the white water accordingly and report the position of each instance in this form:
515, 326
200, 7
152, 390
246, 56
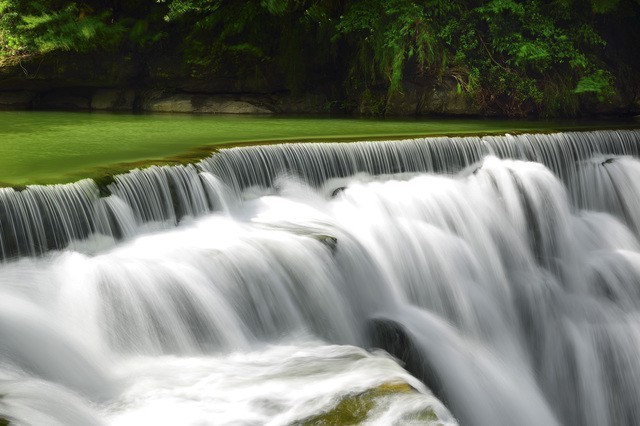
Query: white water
522, 307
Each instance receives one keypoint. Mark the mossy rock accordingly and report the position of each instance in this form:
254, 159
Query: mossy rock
3, 421
355, 409
328, 240
103, 182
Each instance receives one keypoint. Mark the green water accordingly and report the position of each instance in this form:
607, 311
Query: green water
55, 147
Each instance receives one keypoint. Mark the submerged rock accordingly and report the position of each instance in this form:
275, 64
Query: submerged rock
393, 338
328, 240
103, 183
3, 420
357, 408
337, 191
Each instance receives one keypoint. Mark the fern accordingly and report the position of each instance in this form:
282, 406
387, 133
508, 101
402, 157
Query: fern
69, 29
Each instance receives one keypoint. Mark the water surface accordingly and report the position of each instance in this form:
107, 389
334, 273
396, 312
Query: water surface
248, 289
57, 147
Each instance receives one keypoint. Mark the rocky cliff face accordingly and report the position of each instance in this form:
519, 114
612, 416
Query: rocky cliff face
410, 103
122, 84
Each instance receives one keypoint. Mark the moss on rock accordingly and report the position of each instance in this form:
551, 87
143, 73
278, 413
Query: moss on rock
356, 408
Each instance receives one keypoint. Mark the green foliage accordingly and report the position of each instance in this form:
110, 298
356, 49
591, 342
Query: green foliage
141, 33
373, 104
387, 35
284, 36
212, 34
512, 57
599, 83
604, 6
45, 26
514, 50
71, 28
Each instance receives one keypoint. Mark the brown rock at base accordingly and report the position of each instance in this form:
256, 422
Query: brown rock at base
156, 101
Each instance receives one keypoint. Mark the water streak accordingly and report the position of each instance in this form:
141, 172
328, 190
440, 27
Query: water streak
504, 271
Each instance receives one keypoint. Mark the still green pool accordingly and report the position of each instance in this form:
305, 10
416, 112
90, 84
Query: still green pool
57, 147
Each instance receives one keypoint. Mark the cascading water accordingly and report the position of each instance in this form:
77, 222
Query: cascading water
503, 271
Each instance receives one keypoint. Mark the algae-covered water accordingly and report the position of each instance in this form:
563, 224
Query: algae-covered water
56, 147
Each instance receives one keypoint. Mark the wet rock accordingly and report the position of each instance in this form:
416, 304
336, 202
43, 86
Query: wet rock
337, 191
200, 103
212, 105
113, 99
329, 241
103, 182
63, 100
355, 409
19, 99
391, 336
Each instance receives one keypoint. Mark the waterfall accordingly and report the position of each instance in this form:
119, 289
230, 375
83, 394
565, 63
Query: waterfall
37, 218
502, 272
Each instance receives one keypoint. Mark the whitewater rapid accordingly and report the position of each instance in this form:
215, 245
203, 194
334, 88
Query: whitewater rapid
509, 288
